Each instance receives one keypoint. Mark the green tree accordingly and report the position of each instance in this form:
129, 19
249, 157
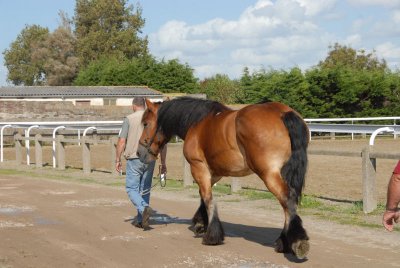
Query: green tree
57, 52
348, 83
166, 76
108, 28
23, 69
222, 89
346, 56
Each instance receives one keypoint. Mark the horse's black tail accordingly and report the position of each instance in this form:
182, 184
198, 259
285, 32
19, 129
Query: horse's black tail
294, 170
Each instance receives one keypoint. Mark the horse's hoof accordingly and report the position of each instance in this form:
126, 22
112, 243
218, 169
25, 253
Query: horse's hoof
199, 229
279, 246
300, 249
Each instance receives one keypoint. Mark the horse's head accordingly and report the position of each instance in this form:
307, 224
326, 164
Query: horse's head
152, 139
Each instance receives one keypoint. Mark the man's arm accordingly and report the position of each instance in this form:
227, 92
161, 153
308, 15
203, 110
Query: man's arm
120, 148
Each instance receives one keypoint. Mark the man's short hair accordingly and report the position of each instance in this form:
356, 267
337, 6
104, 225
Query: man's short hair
139, 101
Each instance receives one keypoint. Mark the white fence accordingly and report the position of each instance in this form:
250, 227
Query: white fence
85, 126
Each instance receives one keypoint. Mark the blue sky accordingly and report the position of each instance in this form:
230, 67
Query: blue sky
224, 36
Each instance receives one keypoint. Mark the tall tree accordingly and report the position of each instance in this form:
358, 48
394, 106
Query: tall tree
58, 53
221, 88
339, 55
23, 69
108, 28
166, 76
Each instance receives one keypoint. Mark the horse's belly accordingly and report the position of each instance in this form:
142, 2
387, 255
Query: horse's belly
229, 164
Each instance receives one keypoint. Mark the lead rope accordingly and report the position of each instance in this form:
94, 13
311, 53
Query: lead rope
162, 181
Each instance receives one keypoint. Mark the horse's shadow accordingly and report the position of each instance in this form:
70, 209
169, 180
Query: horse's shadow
264, 236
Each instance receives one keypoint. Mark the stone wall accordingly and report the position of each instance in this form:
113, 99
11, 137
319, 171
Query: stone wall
58, 111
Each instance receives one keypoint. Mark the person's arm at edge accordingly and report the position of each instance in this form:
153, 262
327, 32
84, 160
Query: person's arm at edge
392, 213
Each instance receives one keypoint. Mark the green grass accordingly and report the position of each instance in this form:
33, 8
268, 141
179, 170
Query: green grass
252, 194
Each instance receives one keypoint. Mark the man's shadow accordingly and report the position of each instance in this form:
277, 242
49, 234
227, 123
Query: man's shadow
264, 236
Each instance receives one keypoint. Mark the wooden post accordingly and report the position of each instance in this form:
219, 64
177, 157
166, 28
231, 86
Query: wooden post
369, 178
187, 174
86, 155
18, 147
38, 151
113, 142
60, 152
235, 185
332, 135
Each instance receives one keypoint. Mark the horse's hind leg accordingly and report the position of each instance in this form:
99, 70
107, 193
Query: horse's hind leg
293, 238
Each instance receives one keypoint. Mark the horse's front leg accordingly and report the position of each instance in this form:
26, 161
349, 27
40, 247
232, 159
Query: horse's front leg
200, 219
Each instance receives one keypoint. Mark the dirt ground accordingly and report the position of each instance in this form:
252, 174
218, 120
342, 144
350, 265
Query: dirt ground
49, 223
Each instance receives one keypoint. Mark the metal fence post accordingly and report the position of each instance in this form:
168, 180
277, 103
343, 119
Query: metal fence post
187, 174
38, 151
60, 152
369, 178
18, 147
86, 155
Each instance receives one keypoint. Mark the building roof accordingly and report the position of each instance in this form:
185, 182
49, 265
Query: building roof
77, 92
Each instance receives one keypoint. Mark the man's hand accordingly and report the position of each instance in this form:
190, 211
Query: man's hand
389, 218
118, 166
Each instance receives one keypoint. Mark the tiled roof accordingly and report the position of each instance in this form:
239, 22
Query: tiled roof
74, 92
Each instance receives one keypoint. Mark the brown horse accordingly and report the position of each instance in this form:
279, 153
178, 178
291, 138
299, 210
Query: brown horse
269, 139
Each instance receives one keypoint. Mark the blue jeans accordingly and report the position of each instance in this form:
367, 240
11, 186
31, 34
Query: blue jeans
138, 180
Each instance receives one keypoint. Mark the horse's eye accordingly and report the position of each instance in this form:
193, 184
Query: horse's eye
145, 124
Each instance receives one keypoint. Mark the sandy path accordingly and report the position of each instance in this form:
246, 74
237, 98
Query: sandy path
45, 223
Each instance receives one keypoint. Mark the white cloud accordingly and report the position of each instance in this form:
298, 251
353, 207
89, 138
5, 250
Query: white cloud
277, 34
389, 52
313, 7
386, 3
265, 34
396, 16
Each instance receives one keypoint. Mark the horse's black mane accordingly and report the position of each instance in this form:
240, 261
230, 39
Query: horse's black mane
176, 116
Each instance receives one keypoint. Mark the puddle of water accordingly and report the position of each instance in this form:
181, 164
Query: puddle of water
14, 210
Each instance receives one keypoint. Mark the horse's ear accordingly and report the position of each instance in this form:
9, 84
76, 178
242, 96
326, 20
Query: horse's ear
149, 105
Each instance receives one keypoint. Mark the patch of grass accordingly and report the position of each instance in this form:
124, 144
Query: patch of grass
221, 189
308, 201
252, 194
170, 184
